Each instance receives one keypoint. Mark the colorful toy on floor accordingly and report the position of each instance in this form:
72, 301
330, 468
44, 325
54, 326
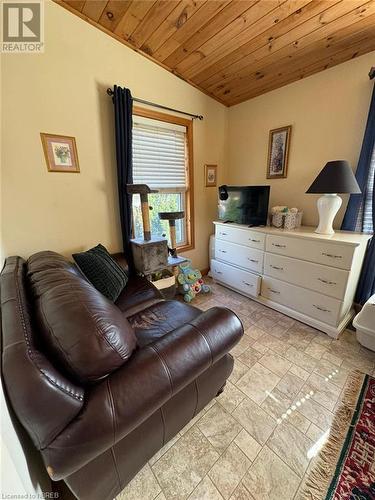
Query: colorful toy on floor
190, 282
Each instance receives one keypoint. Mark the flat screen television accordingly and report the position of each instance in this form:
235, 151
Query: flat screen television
244, 204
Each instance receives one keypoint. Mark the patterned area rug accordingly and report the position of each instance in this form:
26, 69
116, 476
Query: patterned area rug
345, 468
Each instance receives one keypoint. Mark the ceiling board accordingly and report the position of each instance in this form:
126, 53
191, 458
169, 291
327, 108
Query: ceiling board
305, 58
234, 50
288, 45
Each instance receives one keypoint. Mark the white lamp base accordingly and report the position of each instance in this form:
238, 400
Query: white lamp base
328, 206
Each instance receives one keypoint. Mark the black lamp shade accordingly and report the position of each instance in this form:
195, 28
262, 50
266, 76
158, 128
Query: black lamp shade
336, 177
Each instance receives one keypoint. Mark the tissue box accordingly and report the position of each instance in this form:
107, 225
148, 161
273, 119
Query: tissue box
287, 220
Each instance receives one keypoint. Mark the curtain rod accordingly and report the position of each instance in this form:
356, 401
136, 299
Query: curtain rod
153, 104
372, 73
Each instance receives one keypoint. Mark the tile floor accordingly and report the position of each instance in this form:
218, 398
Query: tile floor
258, 439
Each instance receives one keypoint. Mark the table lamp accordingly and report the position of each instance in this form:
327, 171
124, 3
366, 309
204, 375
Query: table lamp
336, 177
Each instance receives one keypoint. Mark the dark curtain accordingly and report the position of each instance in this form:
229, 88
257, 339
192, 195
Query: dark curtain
366, 285
123, 102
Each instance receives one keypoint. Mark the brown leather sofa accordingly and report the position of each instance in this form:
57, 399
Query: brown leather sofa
101, 387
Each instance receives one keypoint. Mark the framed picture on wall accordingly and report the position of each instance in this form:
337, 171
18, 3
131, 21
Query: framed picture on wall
60, 152
278, 151
210, 175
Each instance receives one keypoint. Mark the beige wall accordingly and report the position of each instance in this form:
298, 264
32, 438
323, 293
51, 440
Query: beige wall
328, 113
63, 91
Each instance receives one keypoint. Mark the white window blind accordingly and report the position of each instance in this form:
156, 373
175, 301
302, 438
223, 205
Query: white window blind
364, 219
159, 154
367, 212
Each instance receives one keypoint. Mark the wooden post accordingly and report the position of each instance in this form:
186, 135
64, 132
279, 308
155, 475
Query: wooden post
145, 217
143, 190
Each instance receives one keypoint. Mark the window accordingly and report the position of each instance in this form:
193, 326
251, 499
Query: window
162, 159
364, 220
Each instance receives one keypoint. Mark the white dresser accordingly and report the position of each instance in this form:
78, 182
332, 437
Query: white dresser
307, 276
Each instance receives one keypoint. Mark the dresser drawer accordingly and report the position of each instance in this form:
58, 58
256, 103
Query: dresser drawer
330, 254
243, 281
239, 255
324, 279
241, 236
313, 304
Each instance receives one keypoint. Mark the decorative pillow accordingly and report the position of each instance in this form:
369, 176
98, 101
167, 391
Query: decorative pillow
102, 271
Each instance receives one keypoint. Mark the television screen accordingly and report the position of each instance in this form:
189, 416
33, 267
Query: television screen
244, 204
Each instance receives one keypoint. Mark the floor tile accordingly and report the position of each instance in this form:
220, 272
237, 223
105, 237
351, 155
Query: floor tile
205, 490
315, 350
291, 446
258, 382
265, 323
163, 450
185, 464
239, 369
273, 343
336, 374
242, 345
247, 444
241, 493
255, 420
231, 397
229, 470
275, 363
290, 385
299, 372
219, 427
269, 478
315, 412
276, 403
143, 485
249, 357
314, 433
324, 392
254, 332
301, 359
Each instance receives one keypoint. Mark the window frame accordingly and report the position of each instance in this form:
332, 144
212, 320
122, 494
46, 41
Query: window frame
189, 193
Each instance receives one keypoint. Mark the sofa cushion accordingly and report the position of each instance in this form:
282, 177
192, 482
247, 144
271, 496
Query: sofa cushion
102, 271
138, 294
161, 318
85, 333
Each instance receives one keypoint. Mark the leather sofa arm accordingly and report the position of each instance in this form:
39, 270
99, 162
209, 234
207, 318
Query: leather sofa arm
130, 395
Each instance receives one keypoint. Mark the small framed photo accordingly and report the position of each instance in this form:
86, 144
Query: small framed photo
278, 151
210, 175
60, 152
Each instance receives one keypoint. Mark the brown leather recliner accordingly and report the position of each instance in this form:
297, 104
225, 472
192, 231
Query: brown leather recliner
99, 387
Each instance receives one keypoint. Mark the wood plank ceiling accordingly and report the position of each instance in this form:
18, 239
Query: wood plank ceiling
234, 50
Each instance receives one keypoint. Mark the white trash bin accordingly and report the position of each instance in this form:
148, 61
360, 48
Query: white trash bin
364, 323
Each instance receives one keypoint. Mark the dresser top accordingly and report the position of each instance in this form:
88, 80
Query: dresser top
306, 232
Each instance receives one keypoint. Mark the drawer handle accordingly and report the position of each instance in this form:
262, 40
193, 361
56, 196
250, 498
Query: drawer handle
327, 282
246, 283
278, 245
254, 241
331, 255
218, 272
277, 268
322, 309
253, 260
224, 234
223, 251
274, 291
